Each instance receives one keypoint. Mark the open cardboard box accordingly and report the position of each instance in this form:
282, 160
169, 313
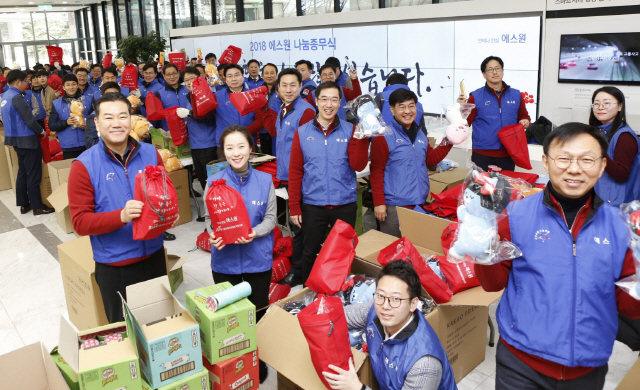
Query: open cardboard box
59, 199
180, 180
174, 269
5, 169
31, 368
166, 337
631, 381
439, 182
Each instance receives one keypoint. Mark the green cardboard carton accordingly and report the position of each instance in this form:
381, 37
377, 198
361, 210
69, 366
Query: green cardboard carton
67, 373
197, 381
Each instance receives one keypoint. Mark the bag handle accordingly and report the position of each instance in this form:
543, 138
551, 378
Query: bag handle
161, 210
330, 331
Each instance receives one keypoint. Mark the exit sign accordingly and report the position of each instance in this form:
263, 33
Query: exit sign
45, 6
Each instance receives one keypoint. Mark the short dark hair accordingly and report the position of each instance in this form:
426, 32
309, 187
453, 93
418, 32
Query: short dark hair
169, 66
402, 95
621, 116
308, 63
110, 69
404, 271
194, 59
69, 77
251, 61
232, 66
221, 68
397, 78
334, 62
42, 73
15, 75
483, 65
269, 64
111, 97
327, 85
569, 131
110, 84
287, 71
151, 65
200, 66
326, 66
191, 70
95, 66
75, 64
209, 56
81, 70
236, 129
30, 72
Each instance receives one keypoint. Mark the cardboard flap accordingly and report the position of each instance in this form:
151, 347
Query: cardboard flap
148, 293
68, 344
54, 376
23, 368
80, 251
373, 241
451, 176
412, 226
474, 297
437, 187
631, 380
261, 159
59, 198
175, 262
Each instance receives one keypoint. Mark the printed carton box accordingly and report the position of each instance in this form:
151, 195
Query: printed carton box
225, 333
65, 369
197, 381
174, 270
239, 373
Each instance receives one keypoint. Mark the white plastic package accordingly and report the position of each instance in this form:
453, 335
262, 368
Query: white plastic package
370, 122
630, 214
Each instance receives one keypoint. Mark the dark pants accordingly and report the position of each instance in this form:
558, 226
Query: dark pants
512, 373
260, 283
629, 332
266, 143
201, 157
112, 279
315, 220
29, 177
483, 162
67, 154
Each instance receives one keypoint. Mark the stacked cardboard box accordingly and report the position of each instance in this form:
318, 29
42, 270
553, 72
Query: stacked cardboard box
59, 199
45, 182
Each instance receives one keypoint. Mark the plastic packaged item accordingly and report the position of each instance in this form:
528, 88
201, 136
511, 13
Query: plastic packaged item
226, 297
433, 262
77, 109
84, 64
139, 127
212, 74
358, 289
172, 164
630, 214
119, 63
446, 165
357, 338
294, 307
134, 100
370, 122
426, 305
458, 130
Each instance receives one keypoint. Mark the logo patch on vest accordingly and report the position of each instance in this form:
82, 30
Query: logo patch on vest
511, 102
399, 141
111, 176
342, 140
421, 141
4, 102
542, 235
310, 139
604, 242
487, 103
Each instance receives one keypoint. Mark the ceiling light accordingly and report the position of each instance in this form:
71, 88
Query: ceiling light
31, 2
64, 2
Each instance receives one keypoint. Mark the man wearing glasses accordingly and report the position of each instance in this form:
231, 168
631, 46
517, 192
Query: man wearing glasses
558, 316
497, 105
149, 84
404, 350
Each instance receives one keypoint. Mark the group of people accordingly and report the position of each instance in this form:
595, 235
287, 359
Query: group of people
559, 312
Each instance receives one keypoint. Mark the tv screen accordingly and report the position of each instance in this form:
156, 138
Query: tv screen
609, 58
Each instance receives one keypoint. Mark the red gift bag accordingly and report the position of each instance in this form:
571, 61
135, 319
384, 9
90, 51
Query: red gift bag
155, 189
203, 101
54, 146
55, 55
155, 109
283, 247
403, 249
333, 263
130, 77
277, 234
3, 82
325, 327
229, 217
107, 60
46, 153
460, 276
178, 59
280, 269
530, 178
202, 241
514, 139
177, 126
249, 101
278, 292
55, 82
231, 55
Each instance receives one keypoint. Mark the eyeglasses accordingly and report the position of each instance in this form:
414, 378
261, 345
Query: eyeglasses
563, 162
327, 100
394, 302
493, 70
189, 80
604, 105
170, 74
152, 73
402, 107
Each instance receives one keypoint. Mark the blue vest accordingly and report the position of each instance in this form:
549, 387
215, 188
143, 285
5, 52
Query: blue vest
14, 126
113, 187
328, 179
560, 301
170, 98
342, 110
406, 181
386, 111
493, 115
43, 113
202, 132
123, 90
153, 87
342, 79
96, 83
307, 87
611, 191
253, 84
255, 256
227, 114
71, 137
285, 129
392, 359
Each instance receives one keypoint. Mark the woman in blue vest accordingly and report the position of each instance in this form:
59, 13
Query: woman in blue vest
619, 183
404, 350
250, 258
70, 133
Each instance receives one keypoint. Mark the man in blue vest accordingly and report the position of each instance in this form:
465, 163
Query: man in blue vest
96, 72
37, 91
149, 84
90, 132
341, 77
70, 129
404, 350
24, 134
328, 73
394, 82
102, 184
253, 80
558, 316
210, 58
83, 83
305, 68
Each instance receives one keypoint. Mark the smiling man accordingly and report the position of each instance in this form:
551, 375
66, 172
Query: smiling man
101, 188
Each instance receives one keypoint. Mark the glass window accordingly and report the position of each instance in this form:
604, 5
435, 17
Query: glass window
226, 11
164, 16
122, 12
358, 5
183, 19
102, 35
135, 17
39, 25
253, 10
202, 11
284, 8
149, 15
62, 25
16, 27
312, 7
405, 3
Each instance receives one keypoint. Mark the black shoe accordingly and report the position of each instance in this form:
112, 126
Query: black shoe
264, 371
197, 194
291, 280
43, 210
169, 237
25, 209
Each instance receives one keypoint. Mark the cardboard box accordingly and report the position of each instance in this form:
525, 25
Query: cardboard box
31, 368
174, 270
241, 372
59, 199
228, 332
84, 301
216, 166
180, 180
110, 366
158, 139
5, 169
59, 172
439, 182
65, 369
45, 183
165, 335
631, 381
197, 381
181, 151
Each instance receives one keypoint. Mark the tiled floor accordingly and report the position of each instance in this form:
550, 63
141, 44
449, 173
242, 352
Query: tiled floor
32, 297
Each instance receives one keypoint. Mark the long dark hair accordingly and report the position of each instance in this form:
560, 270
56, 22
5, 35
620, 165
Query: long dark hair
621, 116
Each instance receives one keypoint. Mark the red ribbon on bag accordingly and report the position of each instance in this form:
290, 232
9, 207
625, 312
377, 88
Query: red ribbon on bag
231, 55
203, 101
130, 77
249, 101
107, 60
155, 109
55, 55
155, 189
229, 216
178, 60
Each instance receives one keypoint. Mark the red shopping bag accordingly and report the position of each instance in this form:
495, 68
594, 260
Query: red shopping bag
155, 189
278, 292
178, 59
325, 327
277, 234
280, 269
130, 77
231, 55
177, 126
203, 101
249, 101
460, 276
3, 82
229, 217
107, 60
203, 241
155, 109
403, 249
283, 247
513, 138
55, 55
54, 146
55, 82
333, 263
46, 153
